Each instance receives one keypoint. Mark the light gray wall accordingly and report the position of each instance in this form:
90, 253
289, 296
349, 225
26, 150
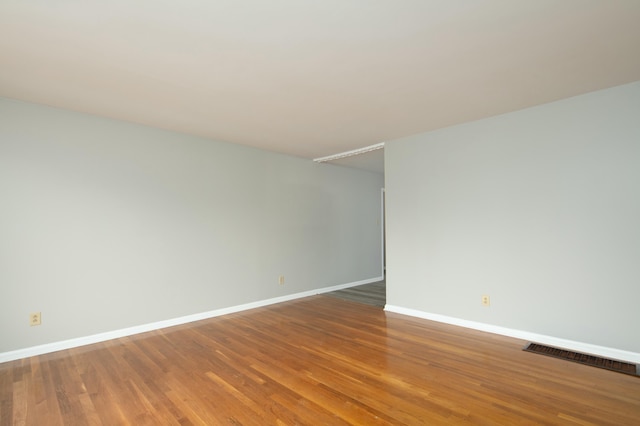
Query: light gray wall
539, 209
106, 225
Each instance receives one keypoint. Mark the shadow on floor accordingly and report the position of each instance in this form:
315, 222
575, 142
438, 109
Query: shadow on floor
374, 294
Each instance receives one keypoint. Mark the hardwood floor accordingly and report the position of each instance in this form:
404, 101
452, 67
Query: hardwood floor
316, 361
374, 294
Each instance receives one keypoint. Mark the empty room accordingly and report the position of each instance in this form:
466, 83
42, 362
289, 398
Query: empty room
320, 213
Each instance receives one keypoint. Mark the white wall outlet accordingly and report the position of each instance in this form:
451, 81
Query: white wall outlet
281, 279
486, 300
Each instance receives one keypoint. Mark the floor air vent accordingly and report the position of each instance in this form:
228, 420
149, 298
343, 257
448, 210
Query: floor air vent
609, 364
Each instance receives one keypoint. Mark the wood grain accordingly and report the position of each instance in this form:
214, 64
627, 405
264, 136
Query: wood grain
372, 294
318, 360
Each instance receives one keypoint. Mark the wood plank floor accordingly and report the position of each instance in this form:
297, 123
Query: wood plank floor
313, 361
374, 294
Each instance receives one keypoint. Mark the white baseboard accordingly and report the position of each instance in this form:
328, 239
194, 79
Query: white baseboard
572, 345
101, 337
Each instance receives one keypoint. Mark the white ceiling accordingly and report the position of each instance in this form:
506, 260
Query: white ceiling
312, 78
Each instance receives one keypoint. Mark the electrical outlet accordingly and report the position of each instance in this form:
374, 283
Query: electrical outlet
35, 318
486, 301
281, 280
